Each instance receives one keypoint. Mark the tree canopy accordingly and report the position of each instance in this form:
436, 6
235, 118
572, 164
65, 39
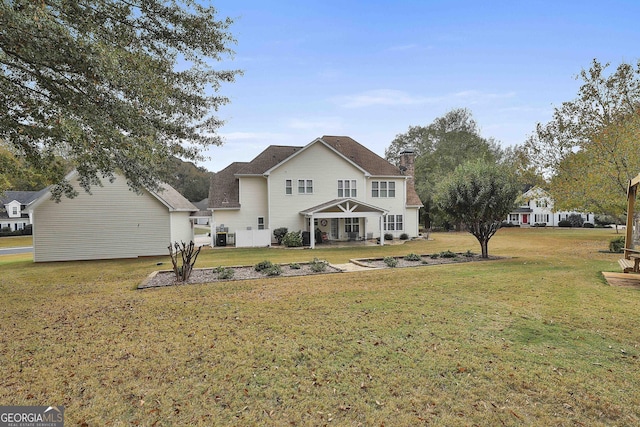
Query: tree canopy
479, 195
590, 146
440, 147
110, 85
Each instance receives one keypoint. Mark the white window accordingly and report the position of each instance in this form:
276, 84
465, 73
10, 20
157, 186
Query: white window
347, 188
351, 225
539, 218
393, 223
383, 189
305, 186
260, 223
15, 210
288, 186
513, 217
541, 203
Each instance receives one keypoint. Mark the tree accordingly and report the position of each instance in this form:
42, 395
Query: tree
440, 147
188, 179
590, 146
479, 195
110, 85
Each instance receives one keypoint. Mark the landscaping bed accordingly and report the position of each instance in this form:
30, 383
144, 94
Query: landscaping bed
414, 260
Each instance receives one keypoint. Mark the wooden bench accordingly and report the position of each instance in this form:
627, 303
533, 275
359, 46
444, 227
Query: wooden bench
631, 261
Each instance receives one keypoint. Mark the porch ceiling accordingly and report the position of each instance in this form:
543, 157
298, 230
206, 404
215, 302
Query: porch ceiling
344, 208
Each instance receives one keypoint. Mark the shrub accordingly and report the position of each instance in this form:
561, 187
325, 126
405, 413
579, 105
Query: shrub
468, 254
448, 254
617, 245
224, 273
540, 224
404, 236
279, 234
318, 265
564, 223
294, 266
390, 261
388, 236
292, 239
434, 256
412, 257
274, 270
263, 265
575, 220
587, 225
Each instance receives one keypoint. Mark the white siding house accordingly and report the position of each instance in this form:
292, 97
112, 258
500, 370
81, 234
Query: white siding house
333, 186
112, 222
536, 209
14, 209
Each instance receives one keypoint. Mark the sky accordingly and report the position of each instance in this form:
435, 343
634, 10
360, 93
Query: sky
371, 69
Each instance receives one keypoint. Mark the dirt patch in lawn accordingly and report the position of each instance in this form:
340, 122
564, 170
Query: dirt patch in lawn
212, 275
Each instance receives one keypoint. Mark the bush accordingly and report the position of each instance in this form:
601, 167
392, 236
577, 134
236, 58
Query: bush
294, 266
263, 265
412, 257
404, 236
587, 225
388, 236
575, 220
318, 265
564, 223
279, 234
617, 245
292, 239
468, 254
540, 224
448, 254
390, 261
434, 256
224, 273
274, 270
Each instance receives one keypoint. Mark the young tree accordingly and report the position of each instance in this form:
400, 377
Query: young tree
479, 195
110, 85
590, 147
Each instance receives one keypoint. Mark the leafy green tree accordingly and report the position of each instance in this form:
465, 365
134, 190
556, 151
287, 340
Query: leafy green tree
188, 179
440, 147
479, 195
590, 145
110, 85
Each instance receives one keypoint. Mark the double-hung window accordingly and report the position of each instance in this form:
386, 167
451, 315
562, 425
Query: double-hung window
288, 186
393, 223
305, 186
383, 189
347, 188
351, 225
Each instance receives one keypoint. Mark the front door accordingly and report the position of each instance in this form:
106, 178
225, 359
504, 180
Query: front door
334, 228
525, 218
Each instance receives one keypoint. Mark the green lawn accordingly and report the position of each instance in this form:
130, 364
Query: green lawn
537, 338
15, 241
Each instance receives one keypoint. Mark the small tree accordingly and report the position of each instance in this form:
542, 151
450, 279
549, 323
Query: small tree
189, 255
576, 220
279, 233
478, 195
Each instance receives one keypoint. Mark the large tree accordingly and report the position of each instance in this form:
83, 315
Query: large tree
479, 195
590, 146
440, 147
110, 85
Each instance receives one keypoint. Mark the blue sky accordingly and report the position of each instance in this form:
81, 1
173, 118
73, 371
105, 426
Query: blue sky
371, 69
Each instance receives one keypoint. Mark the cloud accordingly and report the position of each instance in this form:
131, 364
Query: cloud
386, 97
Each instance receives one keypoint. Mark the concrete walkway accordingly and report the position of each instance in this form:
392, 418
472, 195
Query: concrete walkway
350, 266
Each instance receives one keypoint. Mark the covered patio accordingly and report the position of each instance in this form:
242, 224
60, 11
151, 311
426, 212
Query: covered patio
350, 213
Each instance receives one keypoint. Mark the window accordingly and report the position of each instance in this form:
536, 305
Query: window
260, 223
541, 203
347, 188
383, 189
541, 218
288, 186
305, 186
513, 217
393, 223
15, 210
351, 225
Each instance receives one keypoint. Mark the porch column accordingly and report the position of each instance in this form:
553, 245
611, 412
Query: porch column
381, 223
312, 237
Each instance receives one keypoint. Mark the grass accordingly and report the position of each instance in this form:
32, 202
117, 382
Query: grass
15, 241
537, 338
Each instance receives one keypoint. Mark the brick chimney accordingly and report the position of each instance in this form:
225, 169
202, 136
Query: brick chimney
407, 159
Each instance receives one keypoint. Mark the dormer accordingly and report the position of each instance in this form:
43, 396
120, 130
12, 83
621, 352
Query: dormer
14, 209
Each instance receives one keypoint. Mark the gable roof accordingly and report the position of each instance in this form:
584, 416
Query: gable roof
224, 190
270, 157
167, 195
23, 197
361, 156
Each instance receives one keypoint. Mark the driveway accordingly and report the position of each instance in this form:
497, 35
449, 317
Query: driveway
9, 251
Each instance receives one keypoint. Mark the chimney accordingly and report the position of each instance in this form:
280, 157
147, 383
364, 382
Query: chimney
407, 158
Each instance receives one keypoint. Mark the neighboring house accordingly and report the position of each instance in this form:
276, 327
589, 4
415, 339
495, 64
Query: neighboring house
203, 205
536, 208
111, 222
333, 188
14, 209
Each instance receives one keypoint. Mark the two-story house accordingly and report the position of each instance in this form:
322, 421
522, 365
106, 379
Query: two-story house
536, 209
13, 209
333, 186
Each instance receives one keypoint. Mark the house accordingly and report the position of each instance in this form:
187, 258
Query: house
111, 222
333, 188
536, 208
14, 207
